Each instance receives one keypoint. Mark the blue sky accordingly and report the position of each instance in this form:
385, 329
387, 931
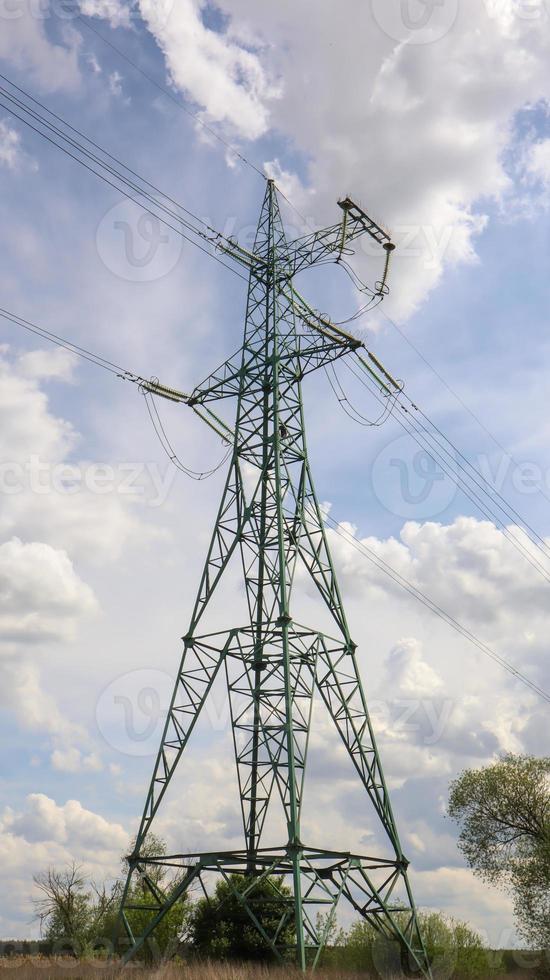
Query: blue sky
445, 136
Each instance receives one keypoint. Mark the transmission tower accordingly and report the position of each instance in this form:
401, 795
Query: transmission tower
274, 667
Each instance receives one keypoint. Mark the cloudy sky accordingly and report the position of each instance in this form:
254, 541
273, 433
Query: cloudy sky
437, 119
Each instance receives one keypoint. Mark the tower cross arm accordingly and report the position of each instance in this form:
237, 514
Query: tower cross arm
224, 382
329, 242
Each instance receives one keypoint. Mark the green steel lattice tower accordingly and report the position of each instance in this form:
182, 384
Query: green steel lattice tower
274, 667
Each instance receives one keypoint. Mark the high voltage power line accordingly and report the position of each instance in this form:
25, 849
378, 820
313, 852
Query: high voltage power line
376, 299
116, 174
146, 386
169, 450
336, 526
274, 666
68, 345
358, 314
441, 449
430, 604
91, 155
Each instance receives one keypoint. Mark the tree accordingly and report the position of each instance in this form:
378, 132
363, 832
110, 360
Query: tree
221, 927
65, 907
75, 912
503, 811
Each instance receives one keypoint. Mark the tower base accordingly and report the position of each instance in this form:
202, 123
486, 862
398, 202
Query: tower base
307, 914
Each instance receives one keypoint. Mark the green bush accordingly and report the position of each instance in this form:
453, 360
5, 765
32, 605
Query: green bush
455, 950
221, 928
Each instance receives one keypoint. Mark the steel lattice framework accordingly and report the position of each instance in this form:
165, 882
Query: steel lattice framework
274, 667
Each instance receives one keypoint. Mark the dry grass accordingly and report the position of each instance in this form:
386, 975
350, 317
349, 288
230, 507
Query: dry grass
56, 968
65, 968
61, 968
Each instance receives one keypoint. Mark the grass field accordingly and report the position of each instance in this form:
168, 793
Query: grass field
27, 967
24, 967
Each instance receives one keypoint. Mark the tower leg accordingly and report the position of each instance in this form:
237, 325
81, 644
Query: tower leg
200, 663
389, 904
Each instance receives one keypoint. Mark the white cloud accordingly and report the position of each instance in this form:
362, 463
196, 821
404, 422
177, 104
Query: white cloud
461, 895
213, 67
94, 64
115, 86
13, 156
85, 834
468, 567
363, 102
117, 12
25, 45
28, 425
41, 596
37, 712
10, 146
58, 364
72, 759
35, 709
75, 512
538, 161
409, 673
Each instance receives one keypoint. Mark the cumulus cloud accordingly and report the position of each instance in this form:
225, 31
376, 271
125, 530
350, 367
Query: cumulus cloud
118, 13
10, 146
41, 596
469, 567
115, 83
73, 760
37, 712
428, 727
34, 708
224, 76
28, 424
360, 103
463, 896
44, 599
48, 494
44, 820
58, 364
432, 159
25, 45
409, 673
539, 160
